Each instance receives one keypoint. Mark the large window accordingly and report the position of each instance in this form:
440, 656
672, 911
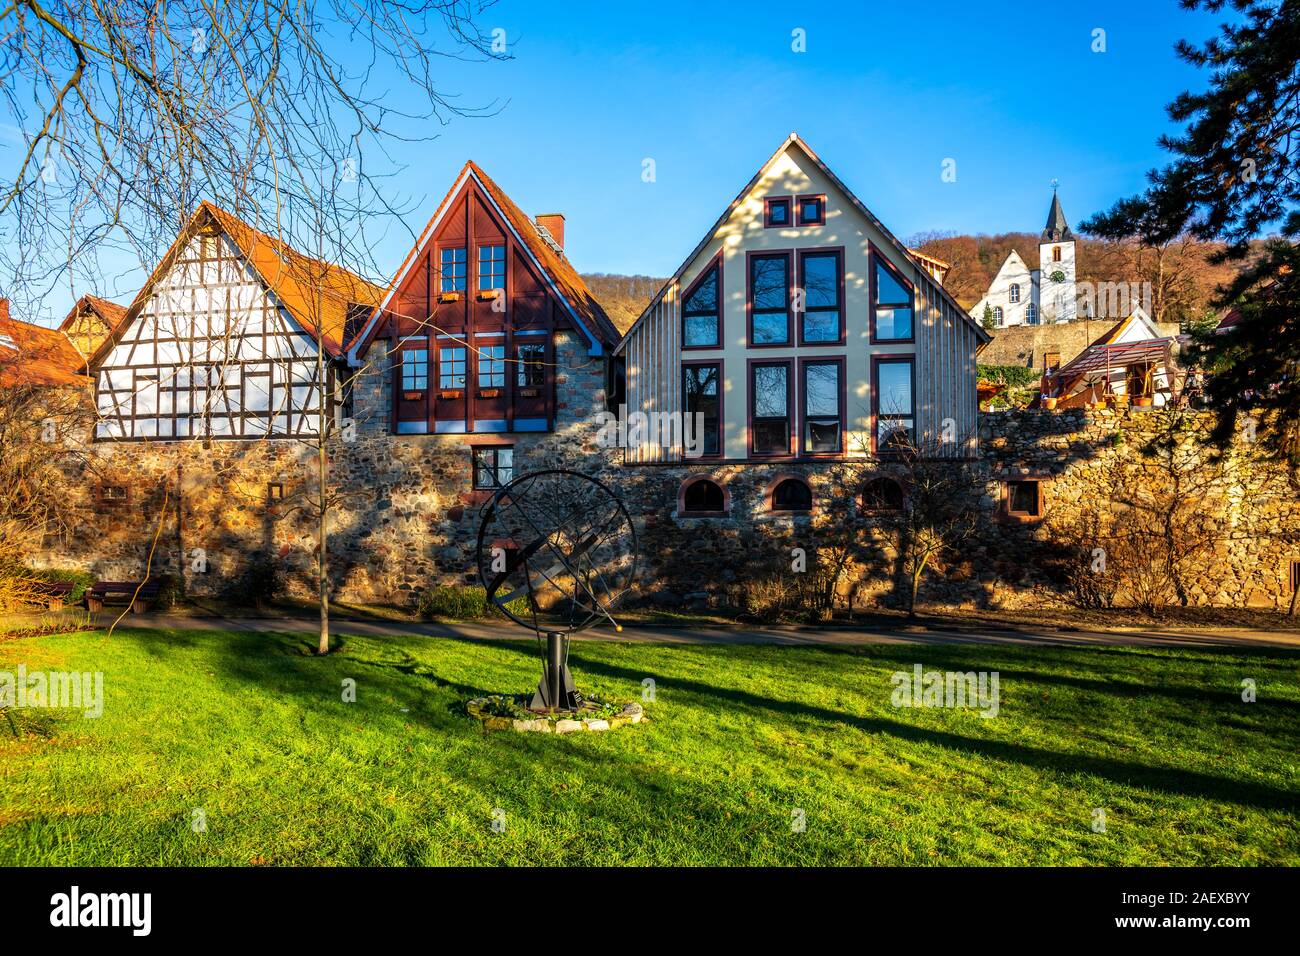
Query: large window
823, 407
821, 276
891, 304
492, 366
892, 399
531, 370
452, 270
701, 313
415, 370
491, 267
451, 367
769, 299
493, 466
701, 389
769, 407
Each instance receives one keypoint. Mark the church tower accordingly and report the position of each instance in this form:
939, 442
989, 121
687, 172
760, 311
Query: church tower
1056, 278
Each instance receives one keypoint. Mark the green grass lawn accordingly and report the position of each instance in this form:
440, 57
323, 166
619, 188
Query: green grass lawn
253, 730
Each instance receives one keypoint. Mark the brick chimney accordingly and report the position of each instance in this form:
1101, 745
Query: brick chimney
553, 222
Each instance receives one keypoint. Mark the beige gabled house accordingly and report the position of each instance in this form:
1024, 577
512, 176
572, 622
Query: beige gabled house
800, 328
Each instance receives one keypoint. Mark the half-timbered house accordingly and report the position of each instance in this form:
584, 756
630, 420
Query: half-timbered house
223, 340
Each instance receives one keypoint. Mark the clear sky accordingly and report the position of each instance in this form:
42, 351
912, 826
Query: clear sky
885, 92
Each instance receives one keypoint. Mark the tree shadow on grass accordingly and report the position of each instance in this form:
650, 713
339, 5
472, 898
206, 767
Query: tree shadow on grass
262, 659
1169, 780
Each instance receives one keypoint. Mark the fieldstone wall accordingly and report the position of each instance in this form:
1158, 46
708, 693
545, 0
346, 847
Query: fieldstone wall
1237, 520
1027, 345
403, 512
404, 515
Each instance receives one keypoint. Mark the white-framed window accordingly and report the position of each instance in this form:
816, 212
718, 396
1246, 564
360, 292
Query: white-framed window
1013, 293
1031, 314
997, 314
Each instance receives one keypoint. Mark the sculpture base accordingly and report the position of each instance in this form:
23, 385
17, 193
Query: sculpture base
555, 691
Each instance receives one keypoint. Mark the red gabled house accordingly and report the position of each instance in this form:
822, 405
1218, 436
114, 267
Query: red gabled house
472, 316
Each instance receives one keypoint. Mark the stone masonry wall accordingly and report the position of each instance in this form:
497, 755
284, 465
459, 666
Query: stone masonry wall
406, 517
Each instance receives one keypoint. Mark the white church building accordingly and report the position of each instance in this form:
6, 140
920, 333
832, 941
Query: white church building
1020, 295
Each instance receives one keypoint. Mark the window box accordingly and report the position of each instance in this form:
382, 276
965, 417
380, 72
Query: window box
452, 393
489, 393
487, 295
529, 392
448, 296
413, 396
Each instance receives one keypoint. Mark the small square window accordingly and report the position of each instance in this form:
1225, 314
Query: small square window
494, 467
275, 491
776, 212
1024, 499
812, 210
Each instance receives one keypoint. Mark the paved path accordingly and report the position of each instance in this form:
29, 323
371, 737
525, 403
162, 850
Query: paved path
899, 634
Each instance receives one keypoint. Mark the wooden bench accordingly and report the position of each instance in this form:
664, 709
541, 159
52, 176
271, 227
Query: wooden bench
55, 593
101, 592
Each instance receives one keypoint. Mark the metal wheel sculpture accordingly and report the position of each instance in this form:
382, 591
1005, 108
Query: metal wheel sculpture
556, 552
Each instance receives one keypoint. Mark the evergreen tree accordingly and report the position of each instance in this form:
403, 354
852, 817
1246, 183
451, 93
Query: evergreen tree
987, 320
1234, 177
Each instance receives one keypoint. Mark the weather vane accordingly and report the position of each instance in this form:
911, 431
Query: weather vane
1055, 184
556, 552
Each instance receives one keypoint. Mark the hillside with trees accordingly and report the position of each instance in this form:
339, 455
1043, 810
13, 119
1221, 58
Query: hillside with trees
1182, 273
623, 297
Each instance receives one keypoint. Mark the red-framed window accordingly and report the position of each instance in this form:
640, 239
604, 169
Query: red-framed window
702, 309
702, 394
453, 265
768, 294
821, 280
822, 400
494, 466
892, 315
811, 210
778, 212
893, 404
491, 267
771, 409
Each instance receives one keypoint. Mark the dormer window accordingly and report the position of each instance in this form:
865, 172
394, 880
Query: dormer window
776, 212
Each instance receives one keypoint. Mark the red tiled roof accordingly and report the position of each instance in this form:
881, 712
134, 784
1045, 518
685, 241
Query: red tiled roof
34, 355
308, 288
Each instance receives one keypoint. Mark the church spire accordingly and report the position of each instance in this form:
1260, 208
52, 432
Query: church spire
1057, 229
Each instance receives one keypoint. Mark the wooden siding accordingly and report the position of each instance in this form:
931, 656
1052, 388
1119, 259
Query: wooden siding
944, 372
654, 372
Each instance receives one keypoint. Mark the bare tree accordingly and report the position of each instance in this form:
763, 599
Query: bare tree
285, 114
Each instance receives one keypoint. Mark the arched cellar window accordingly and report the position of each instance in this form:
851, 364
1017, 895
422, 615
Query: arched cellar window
791, 494
702, 496
882, 494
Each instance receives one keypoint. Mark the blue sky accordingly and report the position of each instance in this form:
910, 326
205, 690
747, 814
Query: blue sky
885, 92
